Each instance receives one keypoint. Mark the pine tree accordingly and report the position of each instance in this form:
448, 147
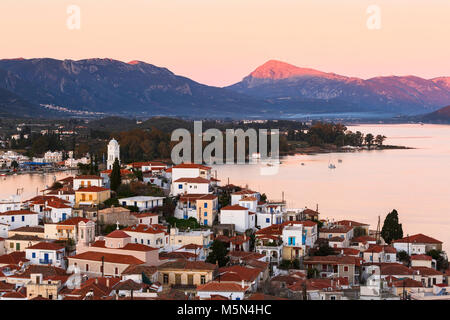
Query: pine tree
392, 230
115, 178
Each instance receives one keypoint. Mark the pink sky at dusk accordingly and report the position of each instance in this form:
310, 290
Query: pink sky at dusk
218, 42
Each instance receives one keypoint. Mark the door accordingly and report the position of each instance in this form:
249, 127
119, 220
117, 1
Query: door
45, 257
178, 279
190, 279
64, 216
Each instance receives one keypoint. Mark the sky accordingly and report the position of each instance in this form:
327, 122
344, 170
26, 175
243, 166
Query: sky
218, 42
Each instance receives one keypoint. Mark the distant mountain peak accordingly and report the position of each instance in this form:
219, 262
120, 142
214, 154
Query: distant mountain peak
277, 70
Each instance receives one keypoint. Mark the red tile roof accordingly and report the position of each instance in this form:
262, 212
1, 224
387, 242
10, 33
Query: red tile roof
238, 273
92, 189
191, 166
351, 223
421, 257
73, 221
425, 271
16, 213
46, 246
418, 238
118, 234
143, 228
234, 207
109, 257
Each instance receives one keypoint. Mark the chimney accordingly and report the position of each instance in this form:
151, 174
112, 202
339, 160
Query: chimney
96, 280
107, 282
242, 284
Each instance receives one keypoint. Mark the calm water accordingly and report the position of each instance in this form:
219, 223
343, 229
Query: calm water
368, 183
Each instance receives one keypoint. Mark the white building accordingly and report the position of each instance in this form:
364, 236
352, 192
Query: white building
113, 153
240, 216
51, 157
196, 185
85, 181
13, 203
150, 235
142, 202
19, 218
45, 253
417, 244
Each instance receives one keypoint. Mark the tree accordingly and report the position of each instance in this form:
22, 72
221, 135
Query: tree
312, 273
324, 250
404, 257
392, 229
56, 185
218, 253
369, 139
115, 178
441, 259
379, 139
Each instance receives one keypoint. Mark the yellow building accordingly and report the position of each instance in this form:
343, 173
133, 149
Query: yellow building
91, 195
207, 207
46, 289
185, 273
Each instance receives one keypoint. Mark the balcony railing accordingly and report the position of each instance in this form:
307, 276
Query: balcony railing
45, 261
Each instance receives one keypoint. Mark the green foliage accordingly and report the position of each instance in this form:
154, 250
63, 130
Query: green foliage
218, 253
263, 197
369, 139
324, 250
115, 178
56, 185
224, 199
404, 257
133, 208
288, 264
441, 259
379, 139
312, 273
111, 202
183, 224
392, 229
138, 174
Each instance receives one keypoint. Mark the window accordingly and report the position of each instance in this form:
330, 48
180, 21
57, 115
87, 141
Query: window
12, 219
205, 222
205, 205
267, 220
23, 218
165, 278
205, 214
116, 271
148, 242
202, 279
33, 255
142, 241
11, 245
345, 268
180, 186
87, 267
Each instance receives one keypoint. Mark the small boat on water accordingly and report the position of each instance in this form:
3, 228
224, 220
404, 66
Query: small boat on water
303, 163
340, 160
331, 166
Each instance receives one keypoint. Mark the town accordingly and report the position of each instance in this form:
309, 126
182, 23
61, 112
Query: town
155, 231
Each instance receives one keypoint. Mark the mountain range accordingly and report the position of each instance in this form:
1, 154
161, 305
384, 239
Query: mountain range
274, 90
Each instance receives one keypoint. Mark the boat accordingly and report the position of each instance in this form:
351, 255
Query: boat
331, 166
340, 160
303, 163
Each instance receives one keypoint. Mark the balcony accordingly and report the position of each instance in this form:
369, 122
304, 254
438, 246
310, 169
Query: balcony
45, 261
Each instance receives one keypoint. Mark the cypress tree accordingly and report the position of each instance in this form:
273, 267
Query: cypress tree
115, 178
392, 229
